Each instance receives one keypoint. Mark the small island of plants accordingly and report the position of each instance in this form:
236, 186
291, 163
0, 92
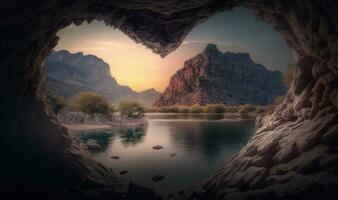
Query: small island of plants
88, 110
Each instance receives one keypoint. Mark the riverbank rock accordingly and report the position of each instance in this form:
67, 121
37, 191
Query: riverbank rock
74, 119
92, 144
157, 147
115, 157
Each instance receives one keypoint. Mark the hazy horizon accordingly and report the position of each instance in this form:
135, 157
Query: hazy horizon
136, 66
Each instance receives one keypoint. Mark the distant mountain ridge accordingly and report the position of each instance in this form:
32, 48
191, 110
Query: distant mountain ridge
228, 78
68, 74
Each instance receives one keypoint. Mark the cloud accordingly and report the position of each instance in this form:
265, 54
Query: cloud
105, 43
89, 49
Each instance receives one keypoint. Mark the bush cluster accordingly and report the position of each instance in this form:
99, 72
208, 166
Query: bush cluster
94, 103
131, 109
56, 103
90, 102
246, 108
209, 108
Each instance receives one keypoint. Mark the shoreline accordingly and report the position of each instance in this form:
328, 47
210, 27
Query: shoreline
83, 127
74, 127
226, 114
79, 121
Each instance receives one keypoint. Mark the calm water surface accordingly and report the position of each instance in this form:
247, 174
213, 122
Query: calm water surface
201, 143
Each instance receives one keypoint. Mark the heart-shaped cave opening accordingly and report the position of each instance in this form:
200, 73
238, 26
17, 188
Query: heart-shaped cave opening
291, 155
211, 90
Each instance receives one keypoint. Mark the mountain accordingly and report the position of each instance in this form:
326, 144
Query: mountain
68, 74
228, 78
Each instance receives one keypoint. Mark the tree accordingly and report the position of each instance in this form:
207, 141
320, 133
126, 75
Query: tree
55, 102
90, 102
214, 108
196, 108
131, 109
246, 108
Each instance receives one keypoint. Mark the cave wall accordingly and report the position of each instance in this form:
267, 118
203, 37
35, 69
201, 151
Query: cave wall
293, 153
295, 144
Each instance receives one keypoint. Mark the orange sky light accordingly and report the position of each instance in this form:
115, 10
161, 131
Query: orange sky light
136, 66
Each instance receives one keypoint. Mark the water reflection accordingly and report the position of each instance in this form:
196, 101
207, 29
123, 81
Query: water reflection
209, 138
201, 144
132, 136
102, 137
184, 116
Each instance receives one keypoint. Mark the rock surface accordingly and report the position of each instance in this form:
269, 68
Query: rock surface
115, 157
33, 140
228, 78
92, 144
68, 74
157, 147
113, 120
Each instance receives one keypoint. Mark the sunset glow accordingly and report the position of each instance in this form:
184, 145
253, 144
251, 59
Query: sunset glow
138, 67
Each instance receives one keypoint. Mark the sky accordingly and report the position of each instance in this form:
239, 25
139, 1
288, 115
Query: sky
134, 65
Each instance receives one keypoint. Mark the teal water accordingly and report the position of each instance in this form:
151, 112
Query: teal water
201, 144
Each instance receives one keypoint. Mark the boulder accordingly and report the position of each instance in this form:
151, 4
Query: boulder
115, 157
92, 144
157, 147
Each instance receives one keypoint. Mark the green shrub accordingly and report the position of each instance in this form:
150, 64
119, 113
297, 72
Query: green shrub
90, 102
131, 109
196, 109
55, 102
246, 108
214, 108
183, 109
209, 108
169, 109
232, 109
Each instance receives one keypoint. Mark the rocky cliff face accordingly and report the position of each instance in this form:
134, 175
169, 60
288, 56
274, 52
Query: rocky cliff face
68, 74
216, 77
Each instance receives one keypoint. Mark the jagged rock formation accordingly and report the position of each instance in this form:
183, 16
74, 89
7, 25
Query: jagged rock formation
293, 155
228, 78
68, 74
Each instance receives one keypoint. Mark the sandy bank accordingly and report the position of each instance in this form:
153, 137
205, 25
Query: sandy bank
82, 127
